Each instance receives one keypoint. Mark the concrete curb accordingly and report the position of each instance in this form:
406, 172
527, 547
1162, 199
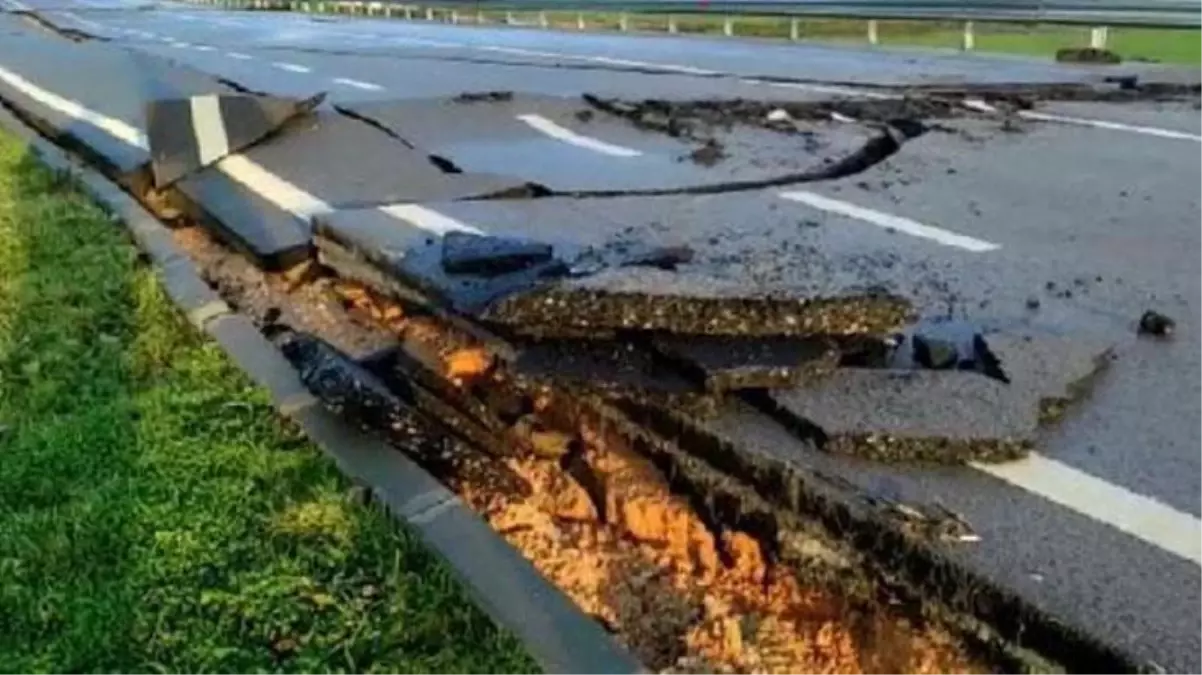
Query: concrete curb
557, 635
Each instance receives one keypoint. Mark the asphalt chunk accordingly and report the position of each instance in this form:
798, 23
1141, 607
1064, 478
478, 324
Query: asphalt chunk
915, 415
642, 299
724, 363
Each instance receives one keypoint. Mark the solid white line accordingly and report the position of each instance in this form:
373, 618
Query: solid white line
212, 143
1143, 517
238, 55
427, 219
888, 220
291, 67
546, 126
115, 128
273, 188
359, 84
1114, 126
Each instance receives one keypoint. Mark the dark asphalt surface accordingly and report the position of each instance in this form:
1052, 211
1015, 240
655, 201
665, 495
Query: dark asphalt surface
1095, 224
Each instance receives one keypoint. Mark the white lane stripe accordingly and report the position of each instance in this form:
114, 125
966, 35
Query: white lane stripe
205, 48
291, 67
254, 177
238, 55
180, 45
1114, 126
1143, 517
358, 84
273, 188
546, 126
115, 128
212, 143
428, 219
888, 220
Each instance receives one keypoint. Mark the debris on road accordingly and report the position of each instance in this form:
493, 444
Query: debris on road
1156, 324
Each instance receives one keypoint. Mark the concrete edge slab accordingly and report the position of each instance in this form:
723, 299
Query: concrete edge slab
504, 584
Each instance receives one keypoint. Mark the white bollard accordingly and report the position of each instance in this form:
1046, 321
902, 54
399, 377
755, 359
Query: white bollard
968, 40
873, 37
728, 26
542, 20
508, 18
672, 27
623, 22
429, 14
794, 30
1098, 36
454, 16
580, 21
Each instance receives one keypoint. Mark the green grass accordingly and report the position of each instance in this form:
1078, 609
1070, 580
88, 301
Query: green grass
155, 515
1180, 46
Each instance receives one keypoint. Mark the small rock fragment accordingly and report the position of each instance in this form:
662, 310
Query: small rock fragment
778, 115
709, 154
585, 115
1032, 302
837, 116
1156, 324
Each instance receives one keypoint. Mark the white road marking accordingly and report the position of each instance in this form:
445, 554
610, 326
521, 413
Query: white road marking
238, 55
1143, 517
271, 187
237, 167
205, 48
212, 143
291, 67
115, 128
428, 219
1114, 126
978, 105
888, 220
359, 84
180, 45
559, 133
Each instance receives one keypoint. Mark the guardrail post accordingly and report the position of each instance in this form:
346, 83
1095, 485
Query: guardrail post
429, 14
728, 26
794, 29
1098, 36
408, 13
508, 18
873, 36
542, 19
672, 27
580, 21
623, 22
388, 10
968, 39
479, 17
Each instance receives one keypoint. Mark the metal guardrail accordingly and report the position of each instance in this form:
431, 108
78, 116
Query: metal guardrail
1096, 13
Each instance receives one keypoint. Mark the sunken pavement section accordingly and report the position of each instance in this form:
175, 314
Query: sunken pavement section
462, 208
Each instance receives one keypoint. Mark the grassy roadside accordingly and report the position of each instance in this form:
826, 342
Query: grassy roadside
1179, 46
154, 514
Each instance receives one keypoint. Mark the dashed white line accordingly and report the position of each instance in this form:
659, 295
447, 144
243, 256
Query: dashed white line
1148, 519
291, 67
559, 133
205, 48
359, 84
181, 45
428, 219
238, 55
890, 221
1113, 126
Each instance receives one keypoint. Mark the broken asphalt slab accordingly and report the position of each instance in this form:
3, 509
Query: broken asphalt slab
40, 71
387, 172
921, 414
543, 302
568, 145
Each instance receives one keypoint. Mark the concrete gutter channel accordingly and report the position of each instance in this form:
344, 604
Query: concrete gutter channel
749, 458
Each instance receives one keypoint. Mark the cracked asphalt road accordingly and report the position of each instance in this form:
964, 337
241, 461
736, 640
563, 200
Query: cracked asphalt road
1075, 224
